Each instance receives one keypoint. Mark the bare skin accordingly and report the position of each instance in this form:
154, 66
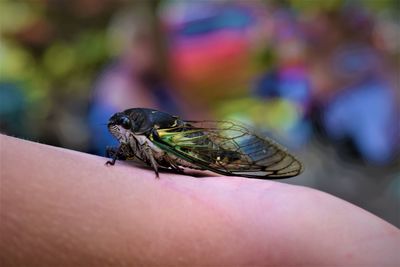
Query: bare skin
61, 207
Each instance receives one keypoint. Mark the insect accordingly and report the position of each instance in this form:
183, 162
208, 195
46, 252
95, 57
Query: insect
161, 140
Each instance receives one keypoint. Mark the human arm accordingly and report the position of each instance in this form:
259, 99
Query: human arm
61, 207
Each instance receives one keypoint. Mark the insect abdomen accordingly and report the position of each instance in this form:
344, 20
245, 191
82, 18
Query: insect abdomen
183, 163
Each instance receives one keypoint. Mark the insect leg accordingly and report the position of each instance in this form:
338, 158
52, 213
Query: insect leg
120, 153
114, 152
172, 164
111, 151
148, 153
136, 150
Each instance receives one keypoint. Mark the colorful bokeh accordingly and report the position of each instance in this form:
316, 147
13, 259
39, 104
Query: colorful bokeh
320, 77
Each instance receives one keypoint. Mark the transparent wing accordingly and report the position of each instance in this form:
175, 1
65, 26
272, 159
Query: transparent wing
228, 148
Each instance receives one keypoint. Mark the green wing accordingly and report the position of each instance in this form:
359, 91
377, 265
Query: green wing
228, 148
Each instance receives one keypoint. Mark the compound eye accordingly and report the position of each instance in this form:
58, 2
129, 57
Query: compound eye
125, 122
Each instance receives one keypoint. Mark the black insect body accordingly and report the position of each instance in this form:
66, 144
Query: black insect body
164, 141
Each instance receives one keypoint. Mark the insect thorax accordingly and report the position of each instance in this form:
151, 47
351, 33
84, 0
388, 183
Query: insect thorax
138, 143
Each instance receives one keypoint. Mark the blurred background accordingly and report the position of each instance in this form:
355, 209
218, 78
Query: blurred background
321, 77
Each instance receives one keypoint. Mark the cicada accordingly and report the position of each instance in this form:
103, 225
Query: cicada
161, 140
